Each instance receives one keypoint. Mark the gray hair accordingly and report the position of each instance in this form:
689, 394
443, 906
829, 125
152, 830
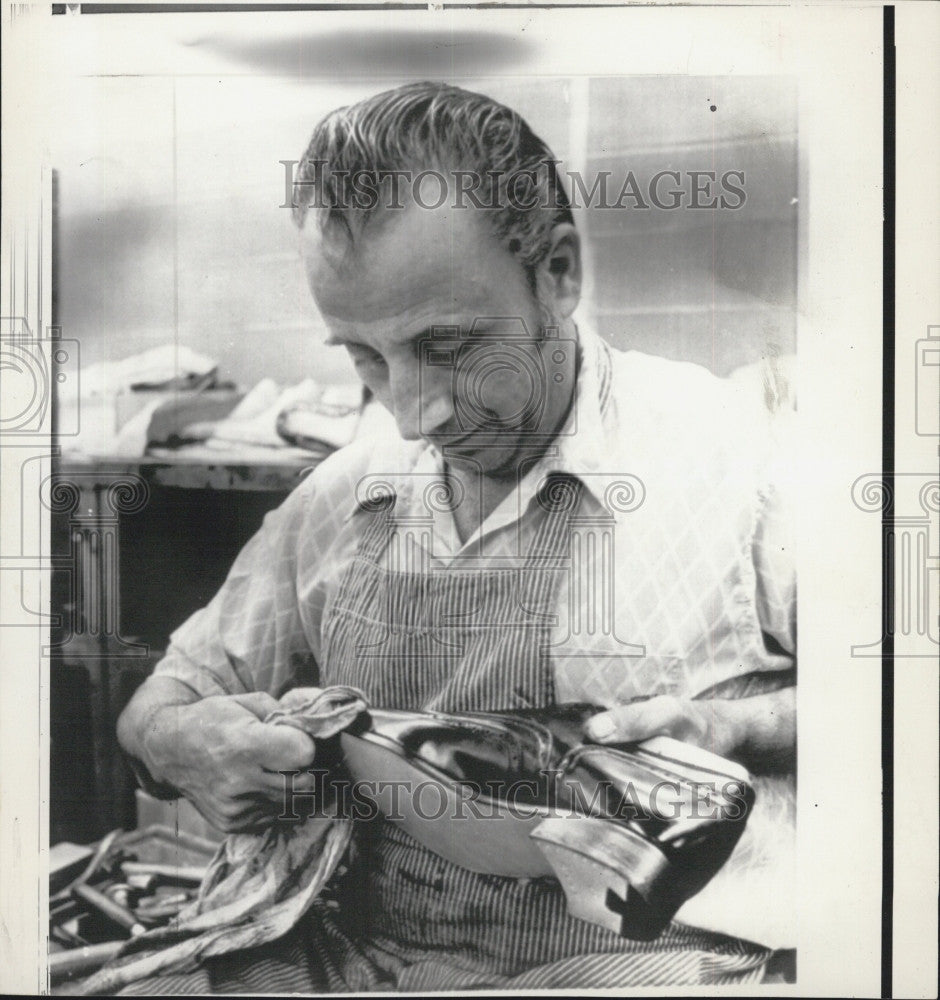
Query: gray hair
424, 126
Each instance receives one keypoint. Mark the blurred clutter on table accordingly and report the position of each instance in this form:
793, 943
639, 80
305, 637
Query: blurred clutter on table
172, 402
123, 885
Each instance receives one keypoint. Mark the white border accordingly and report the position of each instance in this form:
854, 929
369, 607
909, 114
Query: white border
835, 49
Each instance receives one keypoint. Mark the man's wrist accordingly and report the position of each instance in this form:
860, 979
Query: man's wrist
147, 731
729, 726
760, 730
158, 789
160, 731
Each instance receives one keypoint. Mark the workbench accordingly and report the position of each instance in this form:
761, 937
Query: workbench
137, 546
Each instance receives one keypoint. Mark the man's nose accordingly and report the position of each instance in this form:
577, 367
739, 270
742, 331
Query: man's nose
420, 405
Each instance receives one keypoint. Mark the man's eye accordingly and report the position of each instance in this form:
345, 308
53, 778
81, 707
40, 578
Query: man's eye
365, 356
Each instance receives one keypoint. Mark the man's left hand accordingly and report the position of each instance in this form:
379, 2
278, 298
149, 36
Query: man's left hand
707, 724
759, 732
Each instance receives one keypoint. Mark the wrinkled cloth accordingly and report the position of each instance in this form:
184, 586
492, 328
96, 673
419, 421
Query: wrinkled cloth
317, 957
257, 886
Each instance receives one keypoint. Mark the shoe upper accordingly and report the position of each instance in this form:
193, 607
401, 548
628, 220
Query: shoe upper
665, 790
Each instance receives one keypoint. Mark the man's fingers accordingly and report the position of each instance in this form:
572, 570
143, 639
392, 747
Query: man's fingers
282, 748
295, 780
251, 816
659, 716
213, 813
232, 815
259, 703
290, 795
271, 786
616, 725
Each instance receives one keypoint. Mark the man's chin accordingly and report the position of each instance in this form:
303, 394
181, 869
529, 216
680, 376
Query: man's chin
499, 459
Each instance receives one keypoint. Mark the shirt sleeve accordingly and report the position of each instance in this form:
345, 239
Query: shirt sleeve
250, 636
774, 547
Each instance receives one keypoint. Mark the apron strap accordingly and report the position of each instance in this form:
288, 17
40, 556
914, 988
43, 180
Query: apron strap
375, 538
560, 497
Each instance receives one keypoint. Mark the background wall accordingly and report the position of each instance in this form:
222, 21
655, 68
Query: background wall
171, 229
714, 287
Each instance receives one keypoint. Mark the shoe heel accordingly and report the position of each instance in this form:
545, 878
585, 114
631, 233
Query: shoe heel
610, 875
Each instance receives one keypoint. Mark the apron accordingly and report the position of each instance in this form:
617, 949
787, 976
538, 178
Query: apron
401, 917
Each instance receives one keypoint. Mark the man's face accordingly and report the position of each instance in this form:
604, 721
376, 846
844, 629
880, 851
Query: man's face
412, 274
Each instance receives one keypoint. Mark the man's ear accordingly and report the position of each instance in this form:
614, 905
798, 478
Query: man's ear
559, 274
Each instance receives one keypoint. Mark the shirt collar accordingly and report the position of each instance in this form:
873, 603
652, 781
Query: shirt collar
582, 449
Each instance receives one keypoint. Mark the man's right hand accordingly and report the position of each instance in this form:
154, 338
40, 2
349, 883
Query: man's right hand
219, 754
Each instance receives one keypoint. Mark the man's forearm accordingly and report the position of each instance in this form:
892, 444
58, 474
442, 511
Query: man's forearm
145, 723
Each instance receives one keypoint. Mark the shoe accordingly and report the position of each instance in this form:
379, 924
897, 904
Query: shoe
631, 831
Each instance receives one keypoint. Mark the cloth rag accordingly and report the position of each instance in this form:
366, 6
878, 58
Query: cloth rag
257, 886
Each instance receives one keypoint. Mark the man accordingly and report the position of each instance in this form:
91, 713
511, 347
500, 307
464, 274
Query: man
452, 309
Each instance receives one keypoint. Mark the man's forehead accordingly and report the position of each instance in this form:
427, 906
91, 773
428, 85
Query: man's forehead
447, 254
378, 239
